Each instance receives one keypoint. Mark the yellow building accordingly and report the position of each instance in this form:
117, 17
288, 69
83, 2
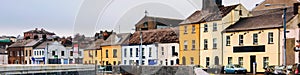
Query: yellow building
111, 48
210, 33
258, 40
92, 54
189, 44
206, 25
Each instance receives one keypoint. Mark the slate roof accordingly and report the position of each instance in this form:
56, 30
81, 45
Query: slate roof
44, 44
273, 11
42, 31
169, 35
259, 22
205, 16
21, 43
276, 4
95, 45
34, 42
162, 20
116, 39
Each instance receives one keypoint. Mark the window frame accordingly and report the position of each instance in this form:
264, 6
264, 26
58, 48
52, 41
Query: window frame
193, 44
215, 27
255, 39
205, 28
205, 44
241, 39
270, 38
215, 43
228, 40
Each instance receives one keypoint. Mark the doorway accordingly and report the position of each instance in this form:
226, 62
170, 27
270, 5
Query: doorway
252, 60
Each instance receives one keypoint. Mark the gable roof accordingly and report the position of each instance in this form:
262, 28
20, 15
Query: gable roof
42, 31
116, 39
44, 44
95, 45
168, 35
262, 6
21, 43
259, 22
205, 16
162, 20
34, 42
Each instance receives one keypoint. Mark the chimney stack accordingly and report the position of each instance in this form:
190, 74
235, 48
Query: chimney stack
296, 8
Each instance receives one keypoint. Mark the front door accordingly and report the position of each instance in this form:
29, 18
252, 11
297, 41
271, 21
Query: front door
252, 60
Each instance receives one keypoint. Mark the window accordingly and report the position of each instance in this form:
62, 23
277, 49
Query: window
106, 53
143, 50
227, 40
173, 50
266, 61
96, 53
114, 53
270, 38
205, 44
125, 62
215, 43
207, 62
35, 53
229, 60
255, 39
162, 51
150, 52
192, 60
146, 24
185, 29
241, 61
125, 52
137, 52
79, 53
130, 61
193, 44
71, 53
215, 25
185, 44
205, 27
241, 39
29, 52
130, 52
53, 53
42, 53
62, 53
26, 53
166, 61
193, 29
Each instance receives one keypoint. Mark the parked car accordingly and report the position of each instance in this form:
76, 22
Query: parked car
235, 68
200, 67
276, 70
296, 69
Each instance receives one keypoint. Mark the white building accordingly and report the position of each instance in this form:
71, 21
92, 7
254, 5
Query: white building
3, 56
168, 53
160, 47
130, 54
57, 54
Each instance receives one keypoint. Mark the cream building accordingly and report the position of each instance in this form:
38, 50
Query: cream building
256, 40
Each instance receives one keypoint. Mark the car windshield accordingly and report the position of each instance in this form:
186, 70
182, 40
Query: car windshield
237, 66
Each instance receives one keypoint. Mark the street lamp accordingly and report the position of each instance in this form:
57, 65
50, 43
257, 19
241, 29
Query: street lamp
284, 30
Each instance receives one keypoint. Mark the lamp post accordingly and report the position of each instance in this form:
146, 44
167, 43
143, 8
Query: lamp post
140, 50
284, 30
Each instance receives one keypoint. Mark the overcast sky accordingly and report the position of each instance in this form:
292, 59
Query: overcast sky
66, 17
